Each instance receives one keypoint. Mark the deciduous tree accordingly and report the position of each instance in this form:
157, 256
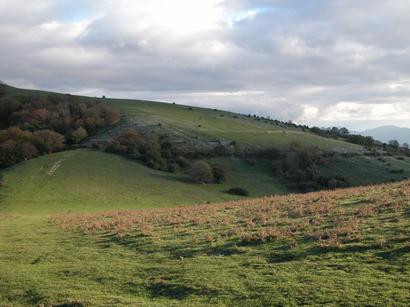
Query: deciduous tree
200, 171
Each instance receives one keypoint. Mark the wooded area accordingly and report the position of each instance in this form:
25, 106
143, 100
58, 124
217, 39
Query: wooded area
34, 124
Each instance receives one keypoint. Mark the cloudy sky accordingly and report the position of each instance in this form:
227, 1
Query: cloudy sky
321, 62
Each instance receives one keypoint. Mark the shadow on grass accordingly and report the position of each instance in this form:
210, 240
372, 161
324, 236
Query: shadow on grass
171, 289
171, 178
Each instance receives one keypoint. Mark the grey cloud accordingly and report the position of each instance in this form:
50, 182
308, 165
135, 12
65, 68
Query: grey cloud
287, 55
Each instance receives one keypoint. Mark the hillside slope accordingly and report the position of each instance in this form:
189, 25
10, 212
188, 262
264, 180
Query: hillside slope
198, 126
332, 248
88, 180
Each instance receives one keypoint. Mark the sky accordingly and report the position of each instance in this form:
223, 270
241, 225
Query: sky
319, 63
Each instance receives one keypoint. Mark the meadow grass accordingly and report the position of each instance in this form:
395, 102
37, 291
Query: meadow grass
344, 248
89, 180
196, 125
122, 234
363, 170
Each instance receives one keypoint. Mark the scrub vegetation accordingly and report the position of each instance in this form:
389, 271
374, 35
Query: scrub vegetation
344, 247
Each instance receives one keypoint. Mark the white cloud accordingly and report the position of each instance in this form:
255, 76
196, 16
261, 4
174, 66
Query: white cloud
321, 61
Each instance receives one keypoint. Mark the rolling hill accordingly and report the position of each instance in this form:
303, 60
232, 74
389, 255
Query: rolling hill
87, 180
387, 133
89, 228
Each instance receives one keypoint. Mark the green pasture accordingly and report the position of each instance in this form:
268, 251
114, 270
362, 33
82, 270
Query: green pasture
196, 126
363, 170
41, 264
89, 180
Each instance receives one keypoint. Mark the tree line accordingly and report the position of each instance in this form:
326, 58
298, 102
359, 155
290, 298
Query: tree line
35, 124
296, 165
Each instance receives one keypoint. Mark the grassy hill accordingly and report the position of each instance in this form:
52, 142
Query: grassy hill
196, 126
344, 248
86, 228
88, 180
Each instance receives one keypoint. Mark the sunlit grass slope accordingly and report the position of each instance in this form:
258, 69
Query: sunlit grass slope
345, 248
89, 180
364, 170
196, 125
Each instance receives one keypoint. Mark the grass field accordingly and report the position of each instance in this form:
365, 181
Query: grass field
199, 125
86, 228
363, 170
88, 180
349, 248
196, 125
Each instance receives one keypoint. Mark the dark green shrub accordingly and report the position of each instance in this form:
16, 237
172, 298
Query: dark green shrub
221, 151
172, 168
239, 191
221, 173
156, 166
183, 162
94, 145
271, 153
116, 148
200, 171
135, 155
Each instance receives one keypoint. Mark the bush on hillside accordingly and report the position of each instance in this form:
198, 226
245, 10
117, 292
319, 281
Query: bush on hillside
239, 191
200, 171
116, 148
183, 162
96, 145
221, 172
173, 168
221, 151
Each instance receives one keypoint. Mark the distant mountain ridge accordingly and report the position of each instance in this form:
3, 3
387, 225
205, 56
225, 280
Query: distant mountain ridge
387, 133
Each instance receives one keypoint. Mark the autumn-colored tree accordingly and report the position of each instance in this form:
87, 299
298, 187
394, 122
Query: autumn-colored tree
55, 139
12, 152
38, 118
112, 117
13, 133
200, 171
78, 135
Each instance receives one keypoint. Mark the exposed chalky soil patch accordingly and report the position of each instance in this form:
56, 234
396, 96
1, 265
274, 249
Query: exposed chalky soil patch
55, 166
